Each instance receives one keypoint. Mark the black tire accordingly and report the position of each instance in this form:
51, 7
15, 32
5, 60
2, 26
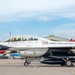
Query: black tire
68, 63
26, 63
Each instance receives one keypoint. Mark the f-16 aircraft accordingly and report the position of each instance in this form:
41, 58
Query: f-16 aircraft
27, 46
33, 47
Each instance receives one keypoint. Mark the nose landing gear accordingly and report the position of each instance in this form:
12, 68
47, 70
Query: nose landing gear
27, 62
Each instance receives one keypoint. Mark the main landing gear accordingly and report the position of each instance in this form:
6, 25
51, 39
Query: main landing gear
27, 62
67, 63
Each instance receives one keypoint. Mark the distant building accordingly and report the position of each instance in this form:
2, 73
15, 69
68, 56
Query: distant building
56, 38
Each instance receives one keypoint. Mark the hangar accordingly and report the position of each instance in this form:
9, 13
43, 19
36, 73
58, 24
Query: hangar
56, 38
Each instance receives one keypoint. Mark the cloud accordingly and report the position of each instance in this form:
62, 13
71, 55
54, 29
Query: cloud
11, 10
44, 18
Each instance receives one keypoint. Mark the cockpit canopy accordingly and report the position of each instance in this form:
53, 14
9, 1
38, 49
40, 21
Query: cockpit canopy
22, 38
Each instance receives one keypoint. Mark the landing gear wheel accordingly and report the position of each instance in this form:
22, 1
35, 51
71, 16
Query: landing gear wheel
68, 63
26, 63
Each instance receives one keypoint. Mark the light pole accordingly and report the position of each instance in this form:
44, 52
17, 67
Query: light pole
10, 36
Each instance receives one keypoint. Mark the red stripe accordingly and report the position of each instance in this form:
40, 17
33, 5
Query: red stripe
2, 51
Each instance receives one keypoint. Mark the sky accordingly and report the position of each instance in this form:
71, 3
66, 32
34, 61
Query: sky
37, 17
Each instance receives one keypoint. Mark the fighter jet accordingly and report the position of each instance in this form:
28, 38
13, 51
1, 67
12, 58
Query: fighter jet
27, 46
33, 47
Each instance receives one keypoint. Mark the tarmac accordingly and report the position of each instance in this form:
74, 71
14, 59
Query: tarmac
16, 67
